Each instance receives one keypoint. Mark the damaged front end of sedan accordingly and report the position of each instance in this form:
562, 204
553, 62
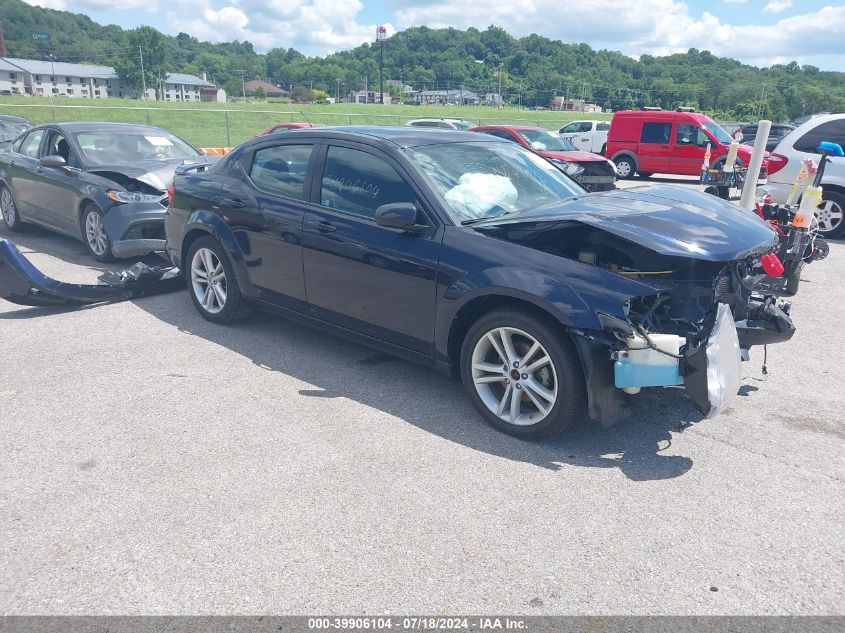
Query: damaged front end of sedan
703, 303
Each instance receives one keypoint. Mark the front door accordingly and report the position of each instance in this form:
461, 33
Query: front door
688, 151
655, 150
374, 280
58, 194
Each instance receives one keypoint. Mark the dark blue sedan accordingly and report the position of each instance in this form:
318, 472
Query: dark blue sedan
479, 257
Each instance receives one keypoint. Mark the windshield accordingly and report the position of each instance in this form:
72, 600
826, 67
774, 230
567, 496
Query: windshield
486, 180
463, 125
9, 130
545, 141
716, 130
120, 148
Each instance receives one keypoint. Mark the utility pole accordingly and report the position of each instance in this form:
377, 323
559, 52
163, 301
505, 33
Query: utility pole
243, 81
381, 36
143, 76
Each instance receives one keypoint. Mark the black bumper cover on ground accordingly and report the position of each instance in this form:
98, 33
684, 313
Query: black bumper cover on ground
24, 284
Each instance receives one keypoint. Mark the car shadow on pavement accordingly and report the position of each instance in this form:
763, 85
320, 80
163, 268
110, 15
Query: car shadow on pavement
640, 447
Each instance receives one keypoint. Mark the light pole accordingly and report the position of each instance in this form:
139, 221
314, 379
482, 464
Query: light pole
498, 101
381, 36
243, 81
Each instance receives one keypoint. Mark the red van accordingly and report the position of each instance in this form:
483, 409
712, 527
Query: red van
662, 141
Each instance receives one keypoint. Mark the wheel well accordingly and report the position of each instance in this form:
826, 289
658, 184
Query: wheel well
85, 202
837, 188
190, 237
474, 310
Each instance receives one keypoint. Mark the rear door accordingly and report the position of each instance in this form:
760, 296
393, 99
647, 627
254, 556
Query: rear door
265, 206
655, 148
374, 280
23, 161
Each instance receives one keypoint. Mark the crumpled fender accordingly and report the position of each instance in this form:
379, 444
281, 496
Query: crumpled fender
22, 283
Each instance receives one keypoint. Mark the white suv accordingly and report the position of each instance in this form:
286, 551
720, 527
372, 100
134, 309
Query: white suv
785, 163
446, 124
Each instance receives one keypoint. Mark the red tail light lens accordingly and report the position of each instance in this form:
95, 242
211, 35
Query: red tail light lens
776, 163
171, 192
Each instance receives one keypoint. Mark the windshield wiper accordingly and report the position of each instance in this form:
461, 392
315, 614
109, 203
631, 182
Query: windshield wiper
492, 217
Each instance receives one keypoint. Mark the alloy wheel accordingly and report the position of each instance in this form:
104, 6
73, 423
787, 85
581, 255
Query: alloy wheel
208, 280
95, 233
7, 207
829, 216
514, 376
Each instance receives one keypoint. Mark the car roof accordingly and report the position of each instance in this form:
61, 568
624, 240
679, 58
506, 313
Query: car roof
509, 127
399, 135
86, 126
14, 119
438, 119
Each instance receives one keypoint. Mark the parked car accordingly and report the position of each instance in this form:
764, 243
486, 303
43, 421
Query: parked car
477, 256
11, 127
286, 127
590, 170
646, 142
103, 183
590, 136
778, 131
446, 124
802, 143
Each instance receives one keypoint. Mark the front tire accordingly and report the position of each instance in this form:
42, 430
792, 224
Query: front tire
522, 374
94, 234
212, 283
9, 210
625, 167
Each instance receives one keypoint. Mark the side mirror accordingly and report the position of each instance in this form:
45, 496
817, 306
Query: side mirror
53, 161
399, 215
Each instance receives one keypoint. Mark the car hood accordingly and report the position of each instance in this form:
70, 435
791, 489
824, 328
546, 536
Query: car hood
574, 156
155, 173
667, 219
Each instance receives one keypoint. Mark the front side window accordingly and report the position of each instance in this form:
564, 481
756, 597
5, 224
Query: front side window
586, 126
500, 134
571, 128
656, 133
689, 134
281, 170
30, 144
486, 180
833, 131
359, 183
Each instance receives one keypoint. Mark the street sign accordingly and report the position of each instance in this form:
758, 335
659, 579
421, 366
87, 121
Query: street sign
381, 33
41, 37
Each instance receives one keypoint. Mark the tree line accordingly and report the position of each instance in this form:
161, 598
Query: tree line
531, 70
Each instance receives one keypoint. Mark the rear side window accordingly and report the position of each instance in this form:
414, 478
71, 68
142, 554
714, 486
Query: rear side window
499, 134
833, 131
425, 124
30, 143
602, 127
359, 183
281, 170
656, 133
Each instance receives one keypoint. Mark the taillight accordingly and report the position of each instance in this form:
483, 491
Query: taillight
171, 192
776, 163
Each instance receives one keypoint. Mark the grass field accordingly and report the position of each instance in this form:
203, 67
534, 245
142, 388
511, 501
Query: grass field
216, 125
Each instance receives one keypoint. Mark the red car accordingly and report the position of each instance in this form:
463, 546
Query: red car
282, 127
591, 171
669, 142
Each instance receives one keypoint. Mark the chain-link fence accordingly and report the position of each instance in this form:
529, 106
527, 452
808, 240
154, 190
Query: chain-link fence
215, 126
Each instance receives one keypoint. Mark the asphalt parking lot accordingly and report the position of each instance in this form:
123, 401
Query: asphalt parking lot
154, 463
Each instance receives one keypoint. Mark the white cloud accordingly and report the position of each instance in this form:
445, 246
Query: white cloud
734, 1
777, 6
59, 5
657, 27
312, 26
148, 5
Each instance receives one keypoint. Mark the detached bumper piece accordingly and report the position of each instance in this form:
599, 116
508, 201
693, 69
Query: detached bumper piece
24, 284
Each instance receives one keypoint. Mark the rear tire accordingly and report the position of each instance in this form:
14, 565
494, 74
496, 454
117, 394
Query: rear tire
645, 174
212, 283
9, 210
538, 390
830, 214
625, 167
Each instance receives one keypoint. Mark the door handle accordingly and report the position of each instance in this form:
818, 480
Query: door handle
234, 203
322, 225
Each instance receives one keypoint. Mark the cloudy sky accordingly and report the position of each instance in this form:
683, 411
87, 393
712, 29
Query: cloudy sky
760, 32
